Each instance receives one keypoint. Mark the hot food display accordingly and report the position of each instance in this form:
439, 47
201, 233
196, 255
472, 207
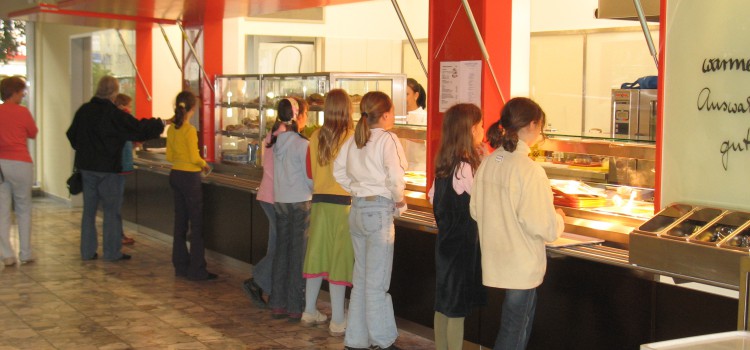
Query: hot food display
618, 200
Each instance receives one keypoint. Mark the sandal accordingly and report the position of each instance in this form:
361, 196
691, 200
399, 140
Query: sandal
127, 240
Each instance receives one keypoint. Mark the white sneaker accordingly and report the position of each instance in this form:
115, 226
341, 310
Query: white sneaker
337, 330
313, 319
9, 261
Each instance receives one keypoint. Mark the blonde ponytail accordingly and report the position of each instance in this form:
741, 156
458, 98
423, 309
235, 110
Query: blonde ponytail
362, 131
372, 107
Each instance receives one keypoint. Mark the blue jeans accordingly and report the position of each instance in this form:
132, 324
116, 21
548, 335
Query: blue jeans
122, 199
371, 320
519, 307
263, 269
105, 188
292, 220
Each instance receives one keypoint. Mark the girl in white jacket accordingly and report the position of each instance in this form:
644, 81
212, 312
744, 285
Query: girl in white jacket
371, 166
512, 204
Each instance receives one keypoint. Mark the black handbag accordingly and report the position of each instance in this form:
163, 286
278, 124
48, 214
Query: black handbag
75, 182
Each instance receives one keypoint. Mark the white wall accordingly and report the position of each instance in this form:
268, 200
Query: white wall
549, 15
520, 49
166, 80
577, 59
365, 36
53, 107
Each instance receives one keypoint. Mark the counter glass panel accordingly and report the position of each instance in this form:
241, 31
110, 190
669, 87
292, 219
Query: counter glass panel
246, 111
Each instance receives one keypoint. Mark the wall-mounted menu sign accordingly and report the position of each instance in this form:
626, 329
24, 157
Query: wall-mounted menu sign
460, 82
706, 136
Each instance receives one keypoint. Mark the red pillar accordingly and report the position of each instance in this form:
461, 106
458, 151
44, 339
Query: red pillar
213, 43
144, 62
459, 43
660, 104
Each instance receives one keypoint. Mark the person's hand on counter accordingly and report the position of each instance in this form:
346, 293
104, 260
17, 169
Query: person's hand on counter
560, 212
399, 208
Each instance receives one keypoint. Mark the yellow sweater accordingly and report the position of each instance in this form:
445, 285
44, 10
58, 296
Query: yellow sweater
182, 148
323, 180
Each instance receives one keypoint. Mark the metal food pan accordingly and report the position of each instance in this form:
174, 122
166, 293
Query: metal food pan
739, 240
723, 228
692, 223
665, 219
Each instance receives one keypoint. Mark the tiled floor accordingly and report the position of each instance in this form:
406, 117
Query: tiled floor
61, 302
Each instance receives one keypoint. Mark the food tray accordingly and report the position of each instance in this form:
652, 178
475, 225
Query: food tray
578, 200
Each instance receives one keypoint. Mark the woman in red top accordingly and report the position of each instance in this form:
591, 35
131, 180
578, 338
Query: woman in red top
16, 169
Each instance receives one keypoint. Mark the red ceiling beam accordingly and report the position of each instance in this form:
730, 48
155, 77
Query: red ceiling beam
44, 8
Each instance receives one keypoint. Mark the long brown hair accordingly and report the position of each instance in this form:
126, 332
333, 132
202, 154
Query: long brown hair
457, 142
336, 125
516, 115
373, 105
184, 102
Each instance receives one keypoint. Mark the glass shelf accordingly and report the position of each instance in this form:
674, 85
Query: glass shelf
597, 138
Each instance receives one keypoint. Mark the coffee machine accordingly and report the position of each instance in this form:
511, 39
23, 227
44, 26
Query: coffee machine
634, 114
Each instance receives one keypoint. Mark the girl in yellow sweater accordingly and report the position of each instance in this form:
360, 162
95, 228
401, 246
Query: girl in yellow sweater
185, 180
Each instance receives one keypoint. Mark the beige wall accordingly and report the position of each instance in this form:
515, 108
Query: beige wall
166, 82
353, 41
53, 107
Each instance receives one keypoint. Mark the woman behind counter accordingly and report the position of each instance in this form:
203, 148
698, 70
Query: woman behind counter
16, 169
185, 180
416, 97
512, 204
457, 256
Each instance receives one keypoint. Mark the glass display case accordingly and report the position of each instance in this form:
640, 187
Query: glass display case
238, 119
246, 111
604, 175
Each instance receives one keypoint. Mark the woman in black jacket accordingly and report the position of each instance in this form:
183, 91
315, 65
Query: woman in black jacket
98, 134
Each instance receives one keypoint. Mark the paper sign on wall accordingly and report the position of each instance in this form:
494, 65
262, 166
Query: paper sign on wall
460, 82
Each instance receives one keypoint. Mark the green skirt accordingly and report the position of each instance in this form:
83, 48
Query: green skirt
329, 245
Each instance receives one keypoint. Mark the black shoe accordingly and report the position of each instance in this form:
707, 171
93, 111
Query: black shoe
123, 257
94, 257
211, 276
392, 347
351, 348
254, 292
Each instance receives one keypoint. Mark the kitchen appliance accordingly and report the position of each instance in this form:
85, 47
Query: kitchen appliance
634, 114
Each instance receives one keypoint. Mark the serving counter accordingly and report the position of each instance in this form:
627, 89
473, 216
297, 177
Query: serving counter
593, 296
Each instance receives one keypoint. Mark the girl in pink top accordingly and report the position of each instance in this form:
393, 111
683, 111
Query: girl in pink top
258, 287
16, 169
